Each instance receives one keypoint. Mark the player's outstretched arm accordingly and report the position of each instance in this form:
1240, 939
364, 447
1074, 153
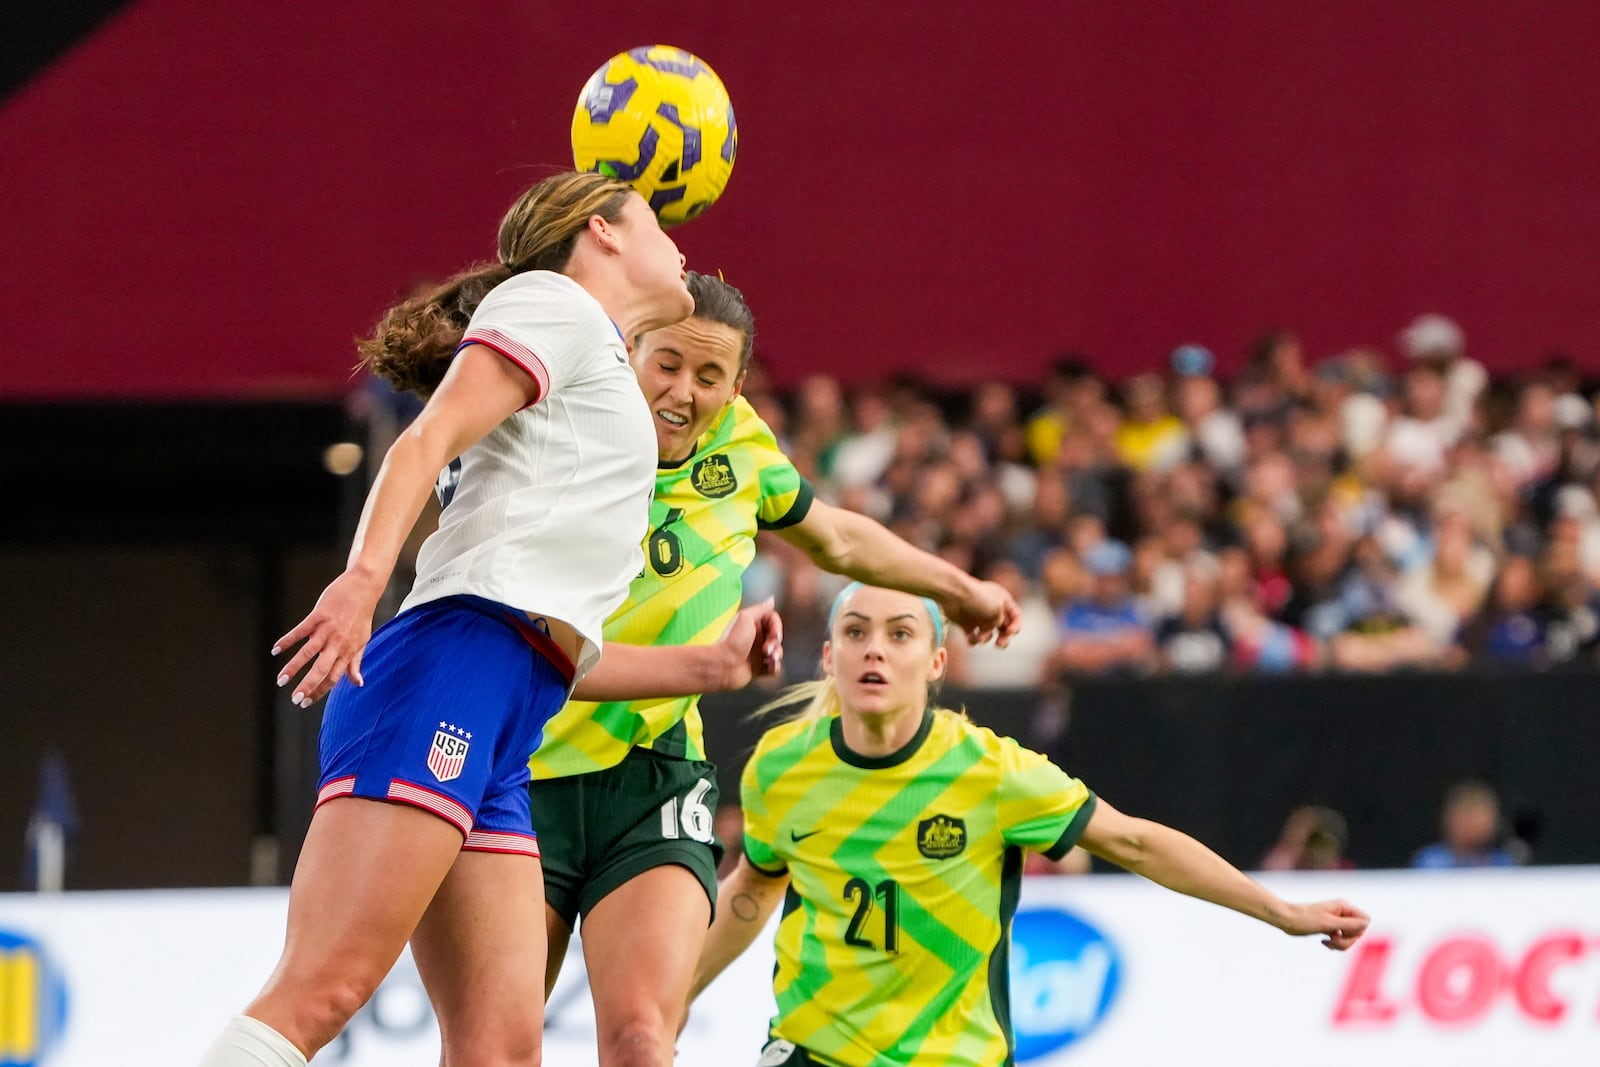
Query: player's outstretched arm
751, 648
480, 390
746, 899
849, 543
1173, 859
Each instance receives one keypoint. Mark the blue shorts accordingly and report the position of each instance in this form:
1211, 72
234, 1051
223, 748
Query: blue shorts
458, 691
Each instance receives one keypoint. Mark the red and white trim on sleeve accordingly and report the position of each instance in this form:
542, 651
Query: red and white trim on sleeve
501, 841
406, 793
515, 351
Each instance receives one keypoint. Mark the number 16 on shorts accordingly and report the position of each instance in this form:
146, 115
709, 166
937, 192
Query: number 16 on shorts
688, 817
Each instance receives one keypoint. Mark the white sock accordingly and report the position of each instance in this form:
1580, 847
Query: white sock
247, 1042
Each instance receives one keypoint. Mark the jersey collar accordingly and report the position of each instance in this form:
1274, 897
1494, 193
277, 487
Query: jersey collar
874, 763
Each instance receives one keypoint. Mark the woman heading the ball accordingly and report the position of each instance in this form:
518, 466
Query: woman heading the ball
899, 827
421, 830
621, 790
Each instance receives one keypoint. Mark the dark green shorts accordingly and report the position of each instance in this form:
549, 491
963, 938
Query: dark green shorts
597, 831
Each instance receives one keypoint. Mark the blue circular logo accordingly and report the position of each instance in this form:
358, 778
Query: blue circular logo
1064, 976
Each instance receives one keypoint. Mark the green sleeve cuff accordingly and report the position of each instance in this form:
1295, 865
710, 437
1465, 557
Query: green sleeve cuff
797, 511
782, 872
1074, 830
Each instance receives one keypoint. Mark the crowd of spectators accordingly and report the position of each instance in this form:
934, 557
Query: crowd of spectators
1350, 513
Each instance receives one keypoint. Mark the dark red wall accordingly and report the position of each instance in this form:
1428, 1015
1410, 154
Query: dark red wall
212, 199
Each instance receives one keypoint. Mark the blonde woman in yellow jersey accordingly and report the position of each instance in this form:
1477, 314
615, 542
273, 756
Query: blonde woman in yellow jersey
622, 793
898, 827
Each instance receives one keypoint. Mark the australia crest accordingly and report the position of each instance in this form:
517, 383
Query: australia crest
941, 836
713, 476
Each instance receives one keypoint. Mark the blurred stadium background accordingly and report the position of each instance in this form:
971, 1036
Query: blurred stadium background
996, 253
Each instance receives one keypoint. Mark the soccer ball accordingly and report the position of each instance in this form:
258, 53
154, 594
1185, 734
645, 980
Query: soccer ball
660, 119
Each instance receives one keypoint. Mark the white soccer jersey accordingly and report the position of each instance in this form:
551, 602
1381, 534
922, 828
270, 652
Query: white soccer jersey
548, 512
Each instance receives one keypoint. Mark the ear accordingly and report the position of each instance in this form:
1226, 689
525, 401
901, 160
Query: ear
827, 658
738, 385
604, 233
941, 657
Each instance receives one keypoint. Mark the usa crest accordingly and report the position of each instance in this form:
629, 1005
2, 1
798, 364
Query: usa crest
941, 837
449, 752
713, 476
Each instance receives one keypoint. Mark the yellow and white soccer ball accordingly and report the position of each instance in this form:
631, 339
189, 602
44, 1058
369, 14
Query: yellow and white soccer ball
660, 119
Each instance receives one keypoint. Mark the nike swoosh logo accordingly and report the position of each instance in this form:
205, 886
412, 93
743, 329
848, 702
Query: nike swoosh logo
801, 837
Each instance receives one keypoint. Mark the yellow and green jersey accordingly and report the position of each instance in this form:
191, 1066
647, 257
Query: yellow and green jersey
703, 523
905, 872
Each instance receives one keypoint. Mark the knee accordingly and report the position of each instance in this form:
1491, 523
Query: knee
642, 1039
316, 1008
498, 1050
496, 1036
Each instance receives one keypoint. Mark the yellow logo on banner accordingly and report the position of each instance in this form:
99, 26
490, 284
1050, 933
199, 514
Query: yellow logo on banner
33, 1002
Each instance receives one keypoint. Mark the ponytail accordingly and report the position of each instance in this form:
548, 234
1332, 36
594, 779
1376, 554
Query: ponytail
417, 338
414, 343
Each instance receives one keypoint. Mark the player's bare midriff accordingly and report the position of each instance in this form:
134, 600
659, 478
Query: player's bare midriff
564, 636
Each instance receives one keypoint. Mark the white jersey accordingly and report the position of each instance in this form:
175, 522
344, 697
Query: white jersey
547, 514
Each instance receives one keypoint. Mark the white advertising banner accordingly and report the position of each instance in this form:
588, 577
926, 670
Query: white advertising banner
1469, 968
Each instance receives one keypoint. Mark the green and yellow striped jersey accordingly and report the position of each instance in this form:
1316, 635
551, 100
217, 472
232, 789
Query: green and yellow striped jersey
892, 948
703, 523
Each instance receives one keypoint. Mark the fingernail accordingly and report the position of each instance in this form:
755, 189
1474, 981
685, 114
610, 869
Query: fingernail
276, 650
297, 698
283, 680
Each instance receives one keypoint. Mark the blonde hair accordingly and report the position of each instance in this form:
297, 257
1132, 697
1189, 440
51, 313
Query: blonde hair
817, 699
415, 341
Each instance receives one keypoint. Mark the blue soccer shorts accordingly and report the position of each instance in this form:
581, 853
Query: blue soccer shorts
457, 694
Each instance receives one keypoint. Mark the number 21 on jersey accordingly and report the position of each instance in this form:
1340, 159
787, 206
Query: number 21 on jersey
861, 893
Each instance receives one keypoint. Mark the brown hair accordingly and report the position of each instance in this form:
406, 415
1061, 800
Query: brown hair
416, 339
717, 301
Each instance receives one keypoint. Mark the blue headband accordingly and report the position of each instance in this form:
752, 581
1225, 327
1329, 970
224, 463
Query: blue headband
927, 602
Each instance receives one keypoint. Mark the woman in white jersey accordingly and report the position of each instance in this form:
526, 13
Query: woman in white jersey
422, 829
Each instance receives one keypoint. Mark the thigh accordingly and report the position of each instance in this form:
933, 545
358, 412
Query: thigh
557, 936
641, 944
480, 951
366, 873
560, 817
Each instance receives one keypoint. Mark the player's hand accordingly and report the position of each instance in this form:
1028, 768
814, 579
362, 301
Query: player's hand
753, 645
331, 638
1341, 921
766, 652
989, 611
